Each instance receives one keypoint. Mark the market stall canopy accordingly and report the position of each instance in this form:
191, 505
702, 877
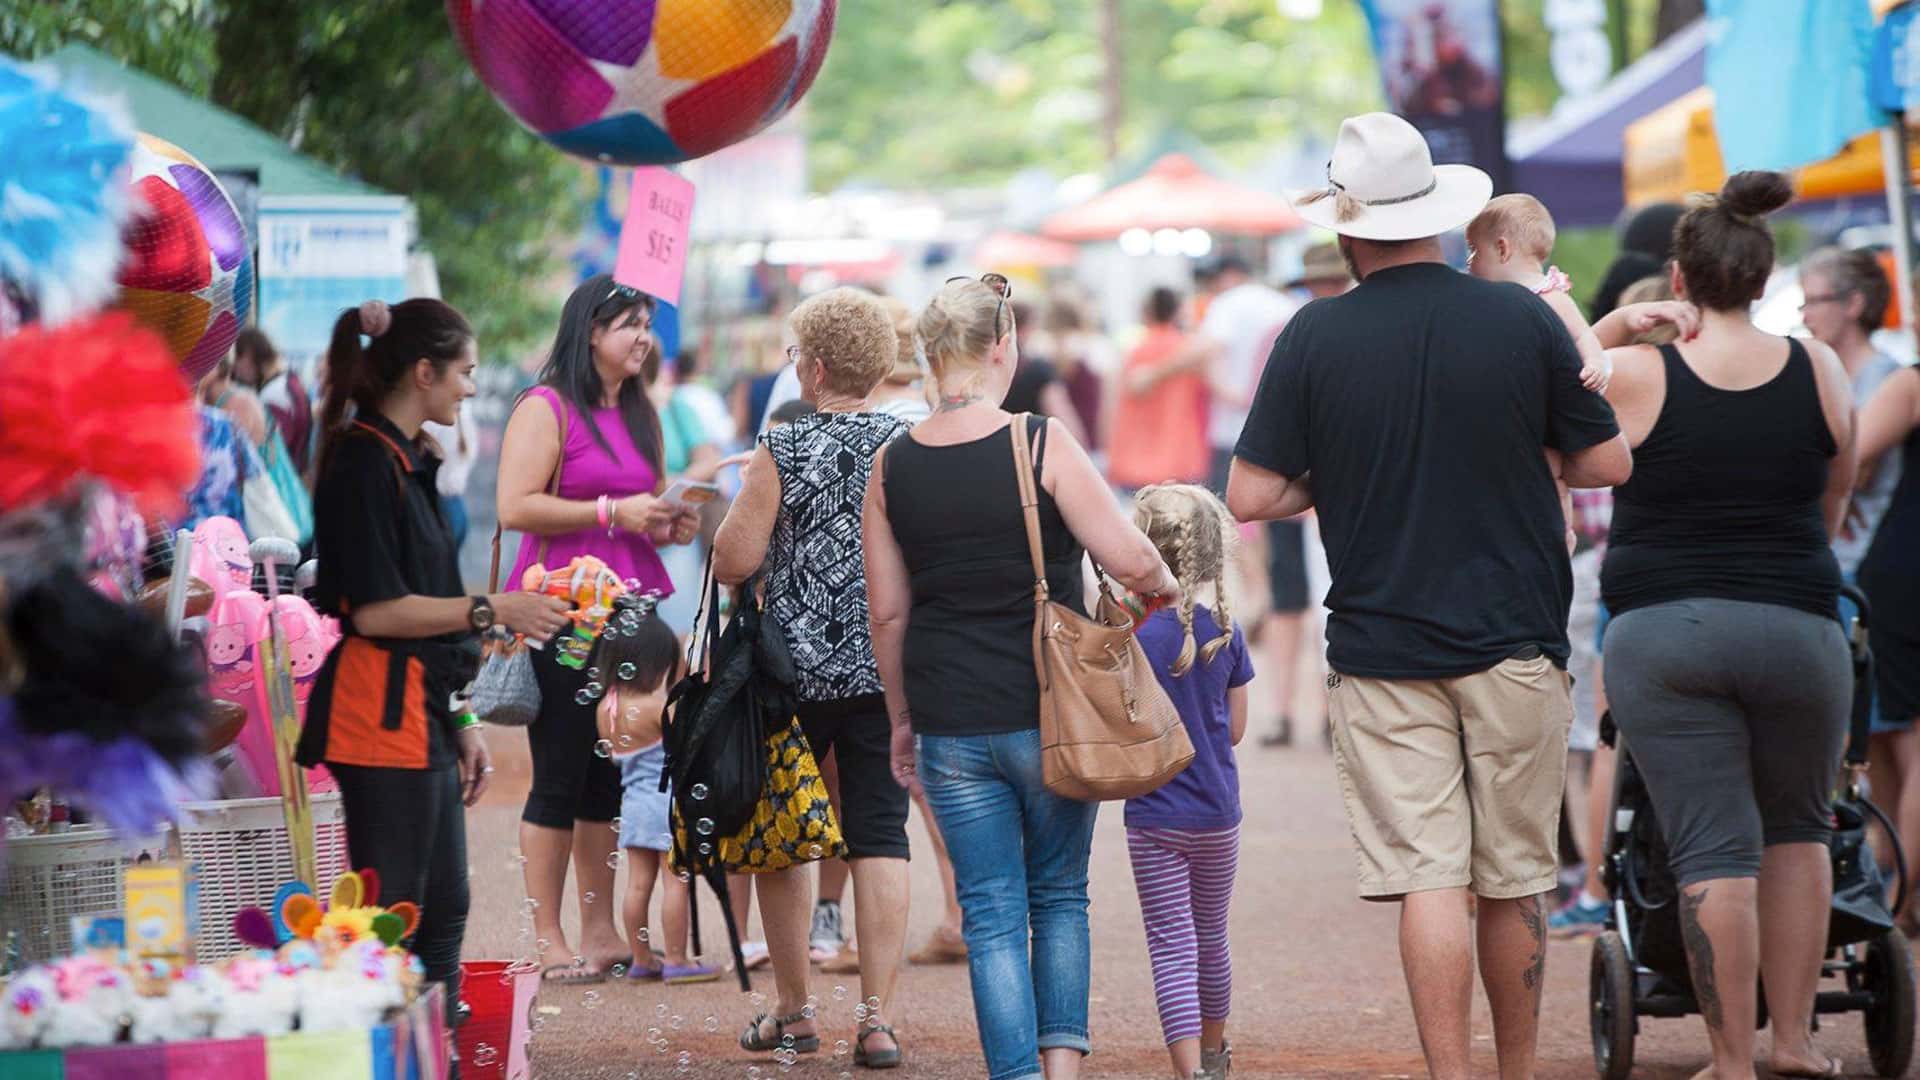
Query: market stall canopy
1004, 249
222, 140
1572, 160
1175, 194
1673, 153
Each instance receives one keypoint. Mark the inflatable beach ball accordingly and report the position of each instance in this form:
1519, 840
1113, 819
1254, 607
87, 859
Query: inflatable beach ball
645, 82
187, 271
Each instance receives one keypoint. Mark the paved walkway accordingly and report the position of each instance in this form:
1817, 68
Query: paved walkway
1318, 986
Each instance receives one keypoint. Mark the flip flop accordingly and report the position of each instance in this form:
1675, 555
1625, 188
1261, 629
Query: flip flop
1835, 1068
571, 975
678, 975
636, 973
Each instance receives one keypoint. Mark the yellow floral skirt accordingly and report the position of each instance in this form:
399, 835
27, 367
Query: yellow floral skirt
793, 824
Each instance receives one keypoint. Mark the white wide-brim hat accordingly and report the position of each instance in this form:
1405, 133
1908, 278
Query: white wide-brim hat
1382, 184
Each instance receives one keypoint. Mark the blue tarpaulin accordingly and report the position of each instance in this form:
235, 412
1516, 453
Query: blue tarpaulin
1789, 79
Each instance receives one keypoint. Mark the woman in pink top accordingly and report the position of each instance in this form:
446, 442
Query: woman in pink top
607, 505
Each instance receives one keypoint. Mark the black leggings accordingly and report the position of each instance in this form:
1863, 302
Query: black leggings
408, 826
570, 782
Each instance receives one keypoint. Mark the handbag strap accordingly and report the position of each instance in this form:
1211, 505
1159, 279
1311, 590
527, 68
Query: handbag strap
1029, 505
553, 488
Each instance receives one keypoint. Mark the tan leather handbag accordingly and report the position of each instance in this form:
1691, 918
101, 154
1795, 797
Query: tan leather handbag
1107, 728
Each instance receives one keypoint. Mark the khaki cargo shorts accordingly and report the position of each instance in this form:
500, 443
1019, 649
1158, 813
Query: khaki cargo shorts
1454, 782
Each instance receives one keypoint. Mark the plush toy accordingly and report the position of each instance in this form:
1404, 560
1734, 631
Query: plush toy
91, 1002
259, 1000
352, 915
28, 1004
357, 992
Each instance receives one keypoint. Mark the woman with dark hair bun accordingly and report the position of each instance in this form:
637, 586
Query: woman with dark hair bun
581, 473
380, 717
1726, 667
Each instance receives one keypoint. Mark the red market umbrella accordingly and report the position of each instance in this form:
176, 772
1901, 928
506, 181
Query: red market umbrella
1175, 194
1022, 249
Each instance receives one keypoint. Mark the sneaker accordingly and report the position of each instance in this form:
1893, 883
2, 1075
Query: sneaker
827, 936
755, 954
1215, 1064
1577, 919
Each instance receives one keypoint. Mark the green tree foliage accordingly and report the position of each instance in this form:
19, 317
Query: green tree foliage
379, 90
968, 91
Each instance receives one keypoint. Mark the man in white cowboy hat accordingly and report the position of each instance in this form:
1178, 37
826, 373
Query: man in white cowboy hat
1411, 411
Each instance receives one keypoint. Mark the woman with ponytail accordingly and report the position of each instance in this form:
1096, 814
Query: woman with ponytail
380, 716
581, 473
1725, 664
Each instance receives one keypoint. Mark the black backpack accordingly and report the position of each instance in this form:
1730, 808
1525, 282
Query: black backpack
737, 690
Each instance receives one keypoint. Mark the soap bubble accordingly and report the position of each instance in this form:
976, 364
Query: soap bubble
815, 851
591, 1000
628, 671
653, 1034
840, 1048
759, 999
614, 824
485, 1055
602, 749
713, 1024
618, 970
529, 905
593, 674
613, 860
581, 697
660, 1010
786, 1042
589, 898
596, 689
699, 792
873, 1004
626, 741
677, 1023
706, 848
839, 993
543, 944
704, 826
807, 1011
860, 1012
643, 935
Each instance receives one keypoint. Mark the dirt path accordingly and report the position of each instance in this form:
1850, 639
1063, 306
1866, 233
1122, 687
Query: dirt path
1317, 977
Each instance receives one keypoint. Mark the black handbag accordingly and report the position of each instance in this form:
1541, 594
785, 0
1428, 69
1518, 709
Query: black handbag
738, 688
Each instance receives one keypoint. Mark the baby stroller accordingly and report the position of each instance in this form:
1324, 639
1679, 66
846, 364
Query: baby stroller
1639, 965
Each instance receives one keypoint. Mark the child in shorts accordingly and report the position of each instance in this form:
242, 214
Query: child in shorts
639, 657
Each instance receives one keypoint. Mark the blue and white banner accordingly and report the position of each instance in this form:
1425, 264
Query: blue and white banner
319, 257
1789, 79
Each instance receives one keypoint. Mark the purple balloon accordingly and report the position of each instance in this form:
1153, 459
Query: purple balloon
613, 31
225, 235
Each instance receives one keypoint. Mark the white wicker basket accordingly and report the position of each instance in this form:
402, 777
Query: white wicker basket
240, 845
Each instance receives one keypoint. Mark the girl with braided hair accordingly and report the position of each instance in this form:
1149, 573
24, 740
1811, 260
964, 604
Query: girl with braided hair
1184, 838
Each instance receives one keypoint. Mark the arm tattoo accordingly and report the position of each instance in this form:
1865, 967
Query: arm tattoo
1700, 956
1533, 913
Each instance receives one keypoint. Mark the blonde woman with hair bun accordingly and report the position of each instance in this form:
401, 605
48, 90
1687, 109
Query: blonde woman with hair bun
950, 591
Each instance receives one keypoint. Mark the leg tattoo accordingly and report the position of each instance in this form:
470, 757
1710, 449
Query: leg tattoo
1533, 913
1700, 957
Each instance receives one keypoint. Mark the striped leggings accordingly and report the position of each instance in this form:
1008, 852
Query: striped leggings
1185, 881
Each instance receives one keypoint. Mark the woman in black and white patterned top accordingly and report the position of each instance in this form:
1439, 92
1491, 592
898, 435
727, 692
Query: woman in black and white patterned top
798, 519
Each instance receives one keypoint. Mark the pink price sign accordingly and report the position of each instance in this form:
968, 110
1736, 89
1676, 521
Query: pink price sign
653, 239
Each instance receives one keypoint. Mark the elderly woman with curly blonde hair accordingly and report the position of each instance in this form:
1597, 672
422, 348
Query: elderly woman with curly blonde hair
796, 526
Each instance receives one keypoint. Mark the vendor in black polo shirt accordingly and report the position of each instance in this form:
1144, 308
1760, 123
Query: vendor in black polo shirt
381, 717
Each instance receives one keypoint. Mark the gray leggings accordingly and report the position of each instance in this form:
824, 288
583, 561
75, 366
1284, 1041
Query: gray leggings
1736, 714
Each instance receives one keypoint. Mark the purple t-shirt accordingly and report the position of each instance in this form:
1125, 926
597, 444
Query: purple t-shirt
587, 473
1206, 794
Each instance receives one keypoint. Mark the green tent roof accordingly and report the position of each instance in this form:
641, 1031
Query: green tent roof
220, 139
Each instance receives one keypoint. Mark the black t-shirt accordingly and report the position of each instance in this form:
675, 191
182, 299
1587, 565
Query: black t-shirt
1029, 378
1420, 402
379, 534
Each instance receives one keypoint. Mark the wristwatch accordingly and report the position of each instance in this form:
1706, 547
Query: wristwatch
481, 617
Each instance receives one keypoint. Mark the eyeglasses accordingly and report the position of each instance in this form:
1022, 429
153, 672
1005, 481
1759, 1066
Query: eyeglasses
793, 354
1809, 301
1000, 285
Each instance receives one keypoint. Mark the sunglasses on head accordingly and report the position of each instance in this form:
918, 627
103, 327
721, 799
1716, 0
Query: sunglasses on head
1001, 286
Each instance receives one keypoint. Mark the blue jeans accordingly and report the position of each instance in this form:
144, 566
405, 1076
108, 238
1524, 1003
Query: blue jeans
1020, 862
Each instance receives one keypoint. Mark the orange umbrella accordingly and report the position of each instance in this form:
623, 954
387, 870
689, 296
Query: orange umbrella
1175, 194
1022, 249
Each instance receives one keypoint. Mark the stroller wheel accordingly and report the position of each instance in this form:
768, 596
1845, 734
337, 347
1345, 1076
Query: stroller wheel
1610, 994
1889, 1020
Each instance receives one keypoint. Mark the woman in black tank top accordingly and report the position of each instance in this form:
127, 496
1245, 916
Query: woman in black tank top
1725, 665
951, 592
